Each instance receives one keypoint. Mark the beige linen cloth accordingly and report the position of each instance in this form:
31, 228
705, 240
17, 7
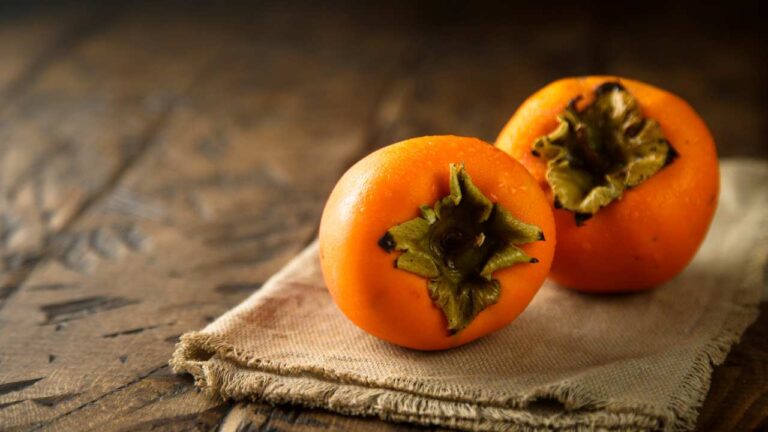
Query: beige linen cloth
571, 361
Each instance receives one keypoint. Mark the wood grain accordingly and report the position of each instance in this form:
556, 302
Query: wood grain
211, 196
81, 116
159, 162
29, 42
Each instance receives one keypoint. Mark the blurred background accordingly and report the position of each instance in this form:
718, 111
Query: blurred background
434, 66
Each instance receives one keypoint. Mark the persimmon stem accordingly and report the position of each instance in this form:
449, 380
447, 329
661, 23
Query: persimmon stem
457, 245
596, 153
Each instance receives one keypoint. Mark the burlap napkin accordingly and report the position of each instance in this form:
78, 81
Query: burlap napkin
570, 361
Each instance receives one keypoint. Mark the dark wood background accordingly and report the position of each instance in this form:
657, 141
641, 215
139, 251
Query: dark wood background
158, 161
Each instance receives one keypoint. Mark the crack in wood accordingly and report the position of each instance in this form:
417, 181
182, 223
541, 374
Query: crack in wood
178, 387
203, 420
51, 401
46, 401
57, 313
134, 331
11, 403
173, 338
17, 262
52, 287
102, 396
15, 386
262, 418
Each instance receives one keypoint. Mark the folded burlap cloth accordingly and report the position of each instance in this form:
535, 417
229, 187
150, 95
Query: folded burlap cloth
570, 361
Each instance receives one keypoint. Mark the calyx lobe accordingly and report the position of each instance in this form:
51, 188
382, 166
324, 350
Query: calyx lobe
458, 244
595, 154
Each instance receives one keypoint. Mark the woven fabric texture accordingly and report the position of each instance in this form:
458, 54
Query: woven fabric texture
570, 362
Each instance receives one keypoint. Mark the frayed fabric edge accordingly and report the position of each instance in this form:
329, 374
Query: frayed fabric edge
226, 380
210, 360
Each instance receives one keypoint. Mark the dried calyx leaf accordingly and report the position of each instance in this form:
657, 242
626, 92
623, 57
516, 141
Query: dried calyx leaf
595, 154
458, 244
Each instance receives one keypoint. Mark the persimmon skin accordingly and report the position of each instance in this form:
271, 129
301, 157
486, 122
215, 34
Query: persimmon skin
386, 188
651, 233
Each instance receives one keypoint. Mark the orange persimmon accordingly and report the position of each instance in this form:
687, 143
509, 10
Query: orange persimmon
631, 171
433, 242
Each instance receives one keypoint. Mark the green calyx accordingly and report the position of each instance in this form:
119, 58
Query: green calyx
597, 153
457, 245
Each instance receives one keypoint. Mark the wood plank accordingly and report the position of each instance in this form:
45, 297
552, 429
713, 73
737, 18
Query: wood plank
78, 119
223, 189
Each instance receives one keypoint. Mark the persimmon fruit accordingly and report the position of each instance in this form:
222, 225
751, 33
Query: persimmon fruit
631, 171
433, 242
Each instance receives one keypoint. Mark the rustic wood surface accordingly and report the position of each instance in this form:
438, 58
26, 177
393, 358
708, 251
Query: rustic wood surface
159, 161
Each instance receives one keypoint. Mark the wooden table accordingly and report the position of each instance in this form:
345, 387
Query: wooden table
159, 161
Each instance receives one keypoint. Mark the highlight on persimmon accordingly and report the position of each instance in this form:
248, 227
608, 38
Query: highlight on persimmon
433, 242
631, 172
